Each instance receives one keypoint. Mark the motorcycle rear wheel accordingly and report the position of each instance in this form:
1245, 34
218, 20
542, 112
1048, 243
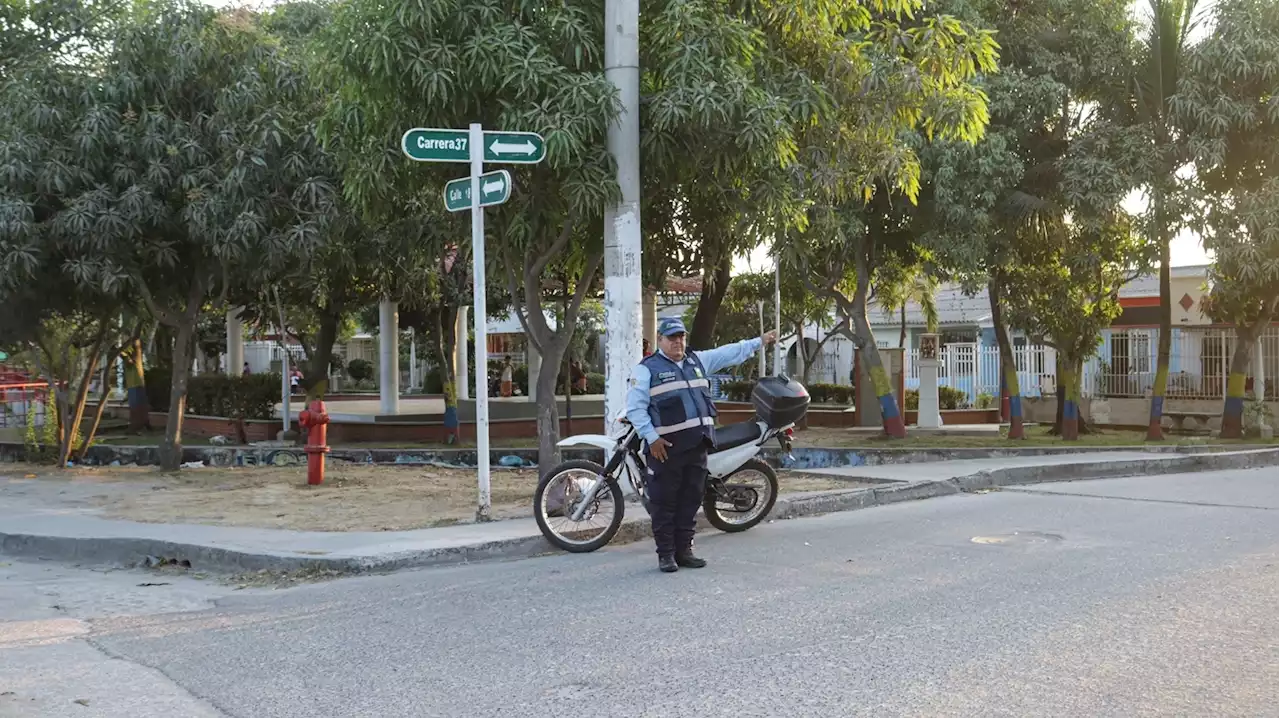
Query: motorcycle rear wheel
576, 477
733, 521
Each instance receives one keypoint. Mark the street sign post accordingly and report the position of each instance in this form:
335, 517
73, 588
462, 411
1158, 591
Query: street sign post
427, 144
480, 190
495, 188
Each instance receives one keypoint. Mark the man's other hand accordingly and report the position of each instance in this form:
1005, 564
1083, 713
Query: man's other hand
659, 449
769, 338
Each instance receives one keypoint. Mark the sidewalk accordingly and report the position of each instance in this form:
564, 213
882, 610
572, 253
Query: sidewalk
69, 534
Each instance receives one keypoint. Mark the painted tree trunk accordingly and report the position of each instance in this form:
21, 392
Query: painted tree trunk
446, 333
1165, 345
1071, 402
171, 447
890, 416
1233, 405
1060, 390
136, 389
1010, 392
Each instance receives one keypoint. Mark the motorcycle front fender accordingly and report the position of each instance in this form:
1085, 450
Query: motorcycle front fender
600, 441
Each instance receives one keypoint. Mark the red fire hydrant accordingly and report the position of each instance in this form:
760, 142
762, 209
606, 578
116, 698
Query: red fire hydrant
315, 420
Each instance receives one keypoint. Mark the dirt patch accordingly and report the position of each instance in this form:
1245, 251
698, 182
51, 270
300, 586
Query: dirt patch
353, 497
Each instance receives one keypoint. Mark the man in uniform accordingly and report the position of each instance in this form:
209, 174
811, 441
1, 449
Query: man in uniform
670, 405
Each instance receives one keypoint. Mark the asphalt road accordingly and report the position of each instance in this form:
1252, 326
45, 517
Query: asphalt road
1132, 597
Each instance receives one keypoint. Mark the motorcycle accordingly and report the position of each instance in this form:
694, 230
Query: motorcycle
579, 504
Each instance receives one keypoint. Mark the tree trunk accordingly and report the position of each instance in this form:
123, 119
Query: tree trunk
702, 333
1060, 390
316, 378
890, 415
1158, 389
445, 337
1010, 391
548, 403
902, 333
802, 354
73, 414
1070, 427
136, 389
171, 448
1233, 404
101, 408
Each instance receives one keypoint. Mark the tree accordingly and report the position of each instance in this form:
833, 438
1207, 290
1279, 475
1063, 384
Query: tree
739, 315
1165, 51
170, 166
1068, 292
863, 176
897, 286
1064, 64
1227, 104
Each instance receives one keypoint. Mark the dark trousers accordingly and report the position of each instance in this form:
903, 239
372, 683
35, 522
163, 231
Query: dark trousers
675, 489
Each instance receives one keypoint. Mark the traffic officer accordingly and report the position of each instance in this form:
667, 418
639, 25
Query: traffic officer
670, 405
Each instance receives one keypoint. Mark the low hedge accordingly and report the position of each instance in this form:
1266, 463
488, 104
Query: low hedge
252, 396
818, 393
948, 399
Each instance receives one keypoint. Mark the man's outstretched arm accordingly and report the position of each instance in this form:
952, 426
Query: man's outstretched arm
713, 360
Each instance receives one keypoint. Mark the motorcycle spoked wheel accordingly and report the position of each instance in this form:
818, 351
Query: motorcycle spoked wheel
733, 520
578, 475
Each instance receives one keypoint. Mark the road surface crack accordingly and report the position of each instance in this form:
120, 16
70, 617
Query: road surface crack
1072, 494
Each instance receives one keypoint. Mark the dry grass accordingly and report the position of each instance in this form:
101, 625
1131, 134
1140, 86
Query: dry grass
353, 497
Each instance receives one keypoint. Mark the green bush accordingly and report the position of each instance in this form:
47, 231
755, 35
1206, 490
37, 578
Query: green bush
948, 399
738, 390
830, 394
985, 401
595, 383
237, 397
360, 369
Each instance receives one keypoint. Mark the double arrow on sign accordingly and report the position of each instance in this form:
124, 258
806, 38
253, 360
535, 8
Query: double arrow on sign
495, 188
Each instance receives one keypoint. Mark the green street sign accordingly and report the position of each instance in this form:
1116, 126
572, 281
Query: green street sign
521, 148
495, 188
426, 144
434, 145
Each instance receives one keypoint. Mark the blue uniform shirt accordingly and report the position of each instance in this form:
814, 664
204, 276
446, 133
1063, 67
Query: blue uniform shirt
713, 360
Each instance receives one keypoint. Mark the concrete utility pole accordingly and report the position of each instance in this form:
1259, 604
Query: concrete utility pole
235, 343
622, 252
389, 357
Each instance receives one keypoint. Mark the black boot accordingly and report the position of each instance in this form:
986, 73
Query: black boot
667, 564
686, 559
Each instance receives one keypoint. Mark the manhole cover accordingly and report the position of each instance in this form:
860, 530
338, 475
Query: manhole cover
1017, 538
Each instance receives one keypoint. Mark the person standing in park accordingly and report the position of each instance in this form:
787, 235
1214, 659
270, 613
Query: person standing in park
505, 378
670, 405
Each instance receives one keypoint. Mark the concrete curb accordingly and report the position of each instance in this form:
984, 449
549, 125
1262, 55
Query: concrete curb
134, 551
805, 457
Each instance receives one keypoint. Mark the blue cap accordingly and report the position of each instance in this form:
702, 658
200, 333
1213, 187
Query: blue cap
671, 325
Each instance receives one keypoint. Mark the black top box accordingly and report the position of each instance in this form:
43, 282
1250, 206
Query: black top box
779, 401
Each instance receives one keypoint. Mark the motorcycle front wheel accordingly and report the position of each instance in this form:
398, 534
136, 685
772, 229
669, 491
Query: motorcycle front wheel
748, 496
560, 490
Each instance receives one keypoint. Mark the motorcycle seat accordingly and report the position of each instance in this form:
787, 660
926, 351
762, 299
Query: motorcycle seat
735, 435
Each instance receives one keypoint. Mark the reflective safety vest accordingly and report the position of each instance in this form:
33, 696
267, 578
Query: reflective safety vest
680, 403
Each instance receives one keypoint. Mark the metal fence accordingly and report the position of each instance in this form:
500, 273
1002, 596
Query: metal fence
1123, 367
20, 401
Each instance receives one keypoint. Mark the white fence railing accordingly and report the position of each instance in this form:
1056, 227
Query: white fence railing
1124, 366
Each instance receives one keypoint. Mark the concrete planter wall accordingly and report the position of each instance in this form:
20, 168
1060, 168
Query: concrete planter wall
1120, 412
